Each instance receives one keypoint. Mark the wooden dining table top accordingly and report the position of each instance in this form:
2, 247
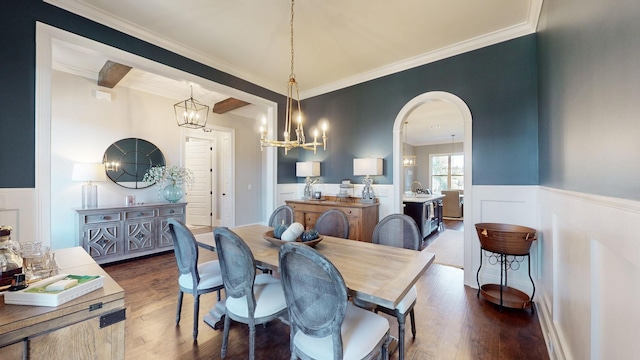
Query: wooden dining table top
374, 273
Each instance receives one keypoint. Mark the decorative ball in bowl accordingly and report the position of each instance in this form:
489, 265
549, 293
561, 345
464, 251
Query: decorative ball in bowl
277, 242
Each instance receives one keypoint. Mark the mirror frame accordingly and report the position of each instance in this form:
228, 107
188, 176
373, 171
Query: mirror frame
135, 156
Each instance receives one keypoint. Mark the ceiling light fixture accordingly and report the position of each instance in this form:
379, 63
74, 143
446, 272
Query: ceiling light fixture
191, 113
452, 136
300, 142
407, 160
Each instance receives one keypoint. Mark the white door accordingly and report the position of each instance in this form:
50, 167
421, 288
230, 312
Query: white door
227, 217
198, 158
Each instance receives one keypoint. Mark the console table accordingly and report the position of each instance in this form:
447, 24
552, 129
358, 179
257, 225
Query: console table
363, 217
111, 234
88, 327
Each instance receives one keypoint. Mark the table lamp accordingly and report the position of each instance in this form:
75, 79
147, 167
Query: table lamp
308, 169
367, 167
89, 172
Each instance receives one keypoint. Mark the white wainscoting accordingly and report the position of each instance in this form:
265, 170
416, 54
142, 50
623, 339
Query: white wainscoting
590, 275
18, 209
516, 205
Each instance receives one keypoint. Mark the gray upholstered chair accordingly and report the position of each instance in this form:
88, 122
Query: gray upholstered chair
333, 222
283, 212
324, 324
398, 230
195, 279
250, 299
280, 214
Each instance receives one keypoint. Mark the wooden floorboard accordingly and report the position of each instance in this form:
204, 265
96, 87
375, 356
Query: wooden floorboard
452, 322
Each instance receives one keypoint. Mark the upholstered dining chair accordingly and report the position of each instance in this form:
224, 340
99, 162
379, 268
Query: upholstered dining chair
283, 212
398, 230
333, 222
195, 279
323, 323
250, 299
280, 214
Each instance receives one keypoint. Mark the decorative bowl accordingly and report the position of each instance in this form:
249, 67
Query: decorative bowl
505, 238
277, 242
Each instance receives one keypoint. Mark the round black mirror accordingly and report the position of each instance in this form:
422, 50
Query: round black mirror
127, 160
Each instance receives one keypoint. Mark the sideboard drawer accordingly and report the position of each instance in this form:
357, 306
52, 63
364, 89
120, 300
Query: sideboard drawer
139, 214
170, 211
101, 217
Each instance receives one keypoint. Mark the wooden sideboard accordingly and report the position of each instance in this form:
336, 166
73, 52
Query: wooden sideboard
88, 327
116, 233
362, 217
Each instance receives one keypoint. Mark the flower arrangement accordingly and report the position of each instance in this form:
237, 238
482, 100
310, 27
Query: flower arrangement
174, 174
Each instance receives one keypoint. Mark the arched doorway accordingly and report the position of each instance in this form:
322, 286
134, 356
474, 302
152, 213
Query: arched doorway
398, 173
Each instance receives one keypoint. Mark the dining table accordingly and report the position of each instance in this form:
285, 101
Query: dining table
378, 274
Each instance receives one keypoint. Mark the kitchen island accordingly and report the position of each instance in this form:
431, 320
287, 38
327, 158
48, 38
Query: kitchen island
426, 210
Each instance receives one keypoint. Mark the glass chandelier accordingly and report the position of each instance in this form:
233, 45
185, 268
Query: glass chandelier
293, 104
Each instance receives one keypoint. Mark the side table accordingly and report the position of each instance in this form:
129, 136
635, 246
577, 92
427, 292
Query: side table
507, 245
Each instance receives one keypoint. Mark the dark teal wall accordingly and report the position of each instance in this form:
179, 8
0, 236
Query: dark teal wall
17, 72
498, 83
590, 96
17, 96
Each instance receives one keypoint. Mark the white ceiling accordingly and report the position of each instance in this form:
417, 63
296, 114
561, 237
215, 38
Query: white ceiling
338, 43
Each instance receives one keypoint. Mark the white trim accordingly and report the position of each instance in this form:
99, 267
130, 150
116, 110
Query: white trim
398, 174
43, 133
627, 205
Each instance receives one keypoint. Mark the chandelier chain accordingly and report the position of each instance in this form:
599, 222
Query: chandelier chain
293, 100
293, 76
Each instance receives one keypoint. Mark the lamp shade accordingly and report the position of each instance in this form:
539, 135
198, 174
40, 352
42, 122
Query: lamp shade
88, 172
368, 166
308, 168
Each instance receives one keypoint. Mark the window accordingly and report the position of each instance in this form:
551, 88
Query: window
447, 172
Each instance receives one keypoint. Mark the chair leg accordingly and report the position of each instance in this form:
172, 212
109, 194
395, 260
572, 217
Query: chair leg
196, 309
401, 321
180, 295
252, 341
385, 348
413, 323
225, 336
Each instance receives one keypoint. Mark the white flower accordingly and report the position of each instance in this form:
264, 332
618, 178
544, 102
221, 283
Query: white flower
175, 174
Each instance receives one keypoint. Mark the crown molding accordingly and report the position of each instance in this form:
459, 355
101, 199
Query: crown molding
92, 75
442, 53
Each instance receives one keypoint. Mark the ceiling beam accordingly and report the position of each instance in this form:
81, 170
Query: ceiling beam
111, 73
227, 105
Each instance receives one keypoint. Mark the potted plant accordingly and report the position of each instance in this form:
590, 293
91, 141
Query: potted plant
170, 180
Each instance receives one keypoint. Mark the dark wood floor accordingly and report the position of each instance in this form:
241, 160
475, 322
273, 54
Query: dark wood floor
452, 323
